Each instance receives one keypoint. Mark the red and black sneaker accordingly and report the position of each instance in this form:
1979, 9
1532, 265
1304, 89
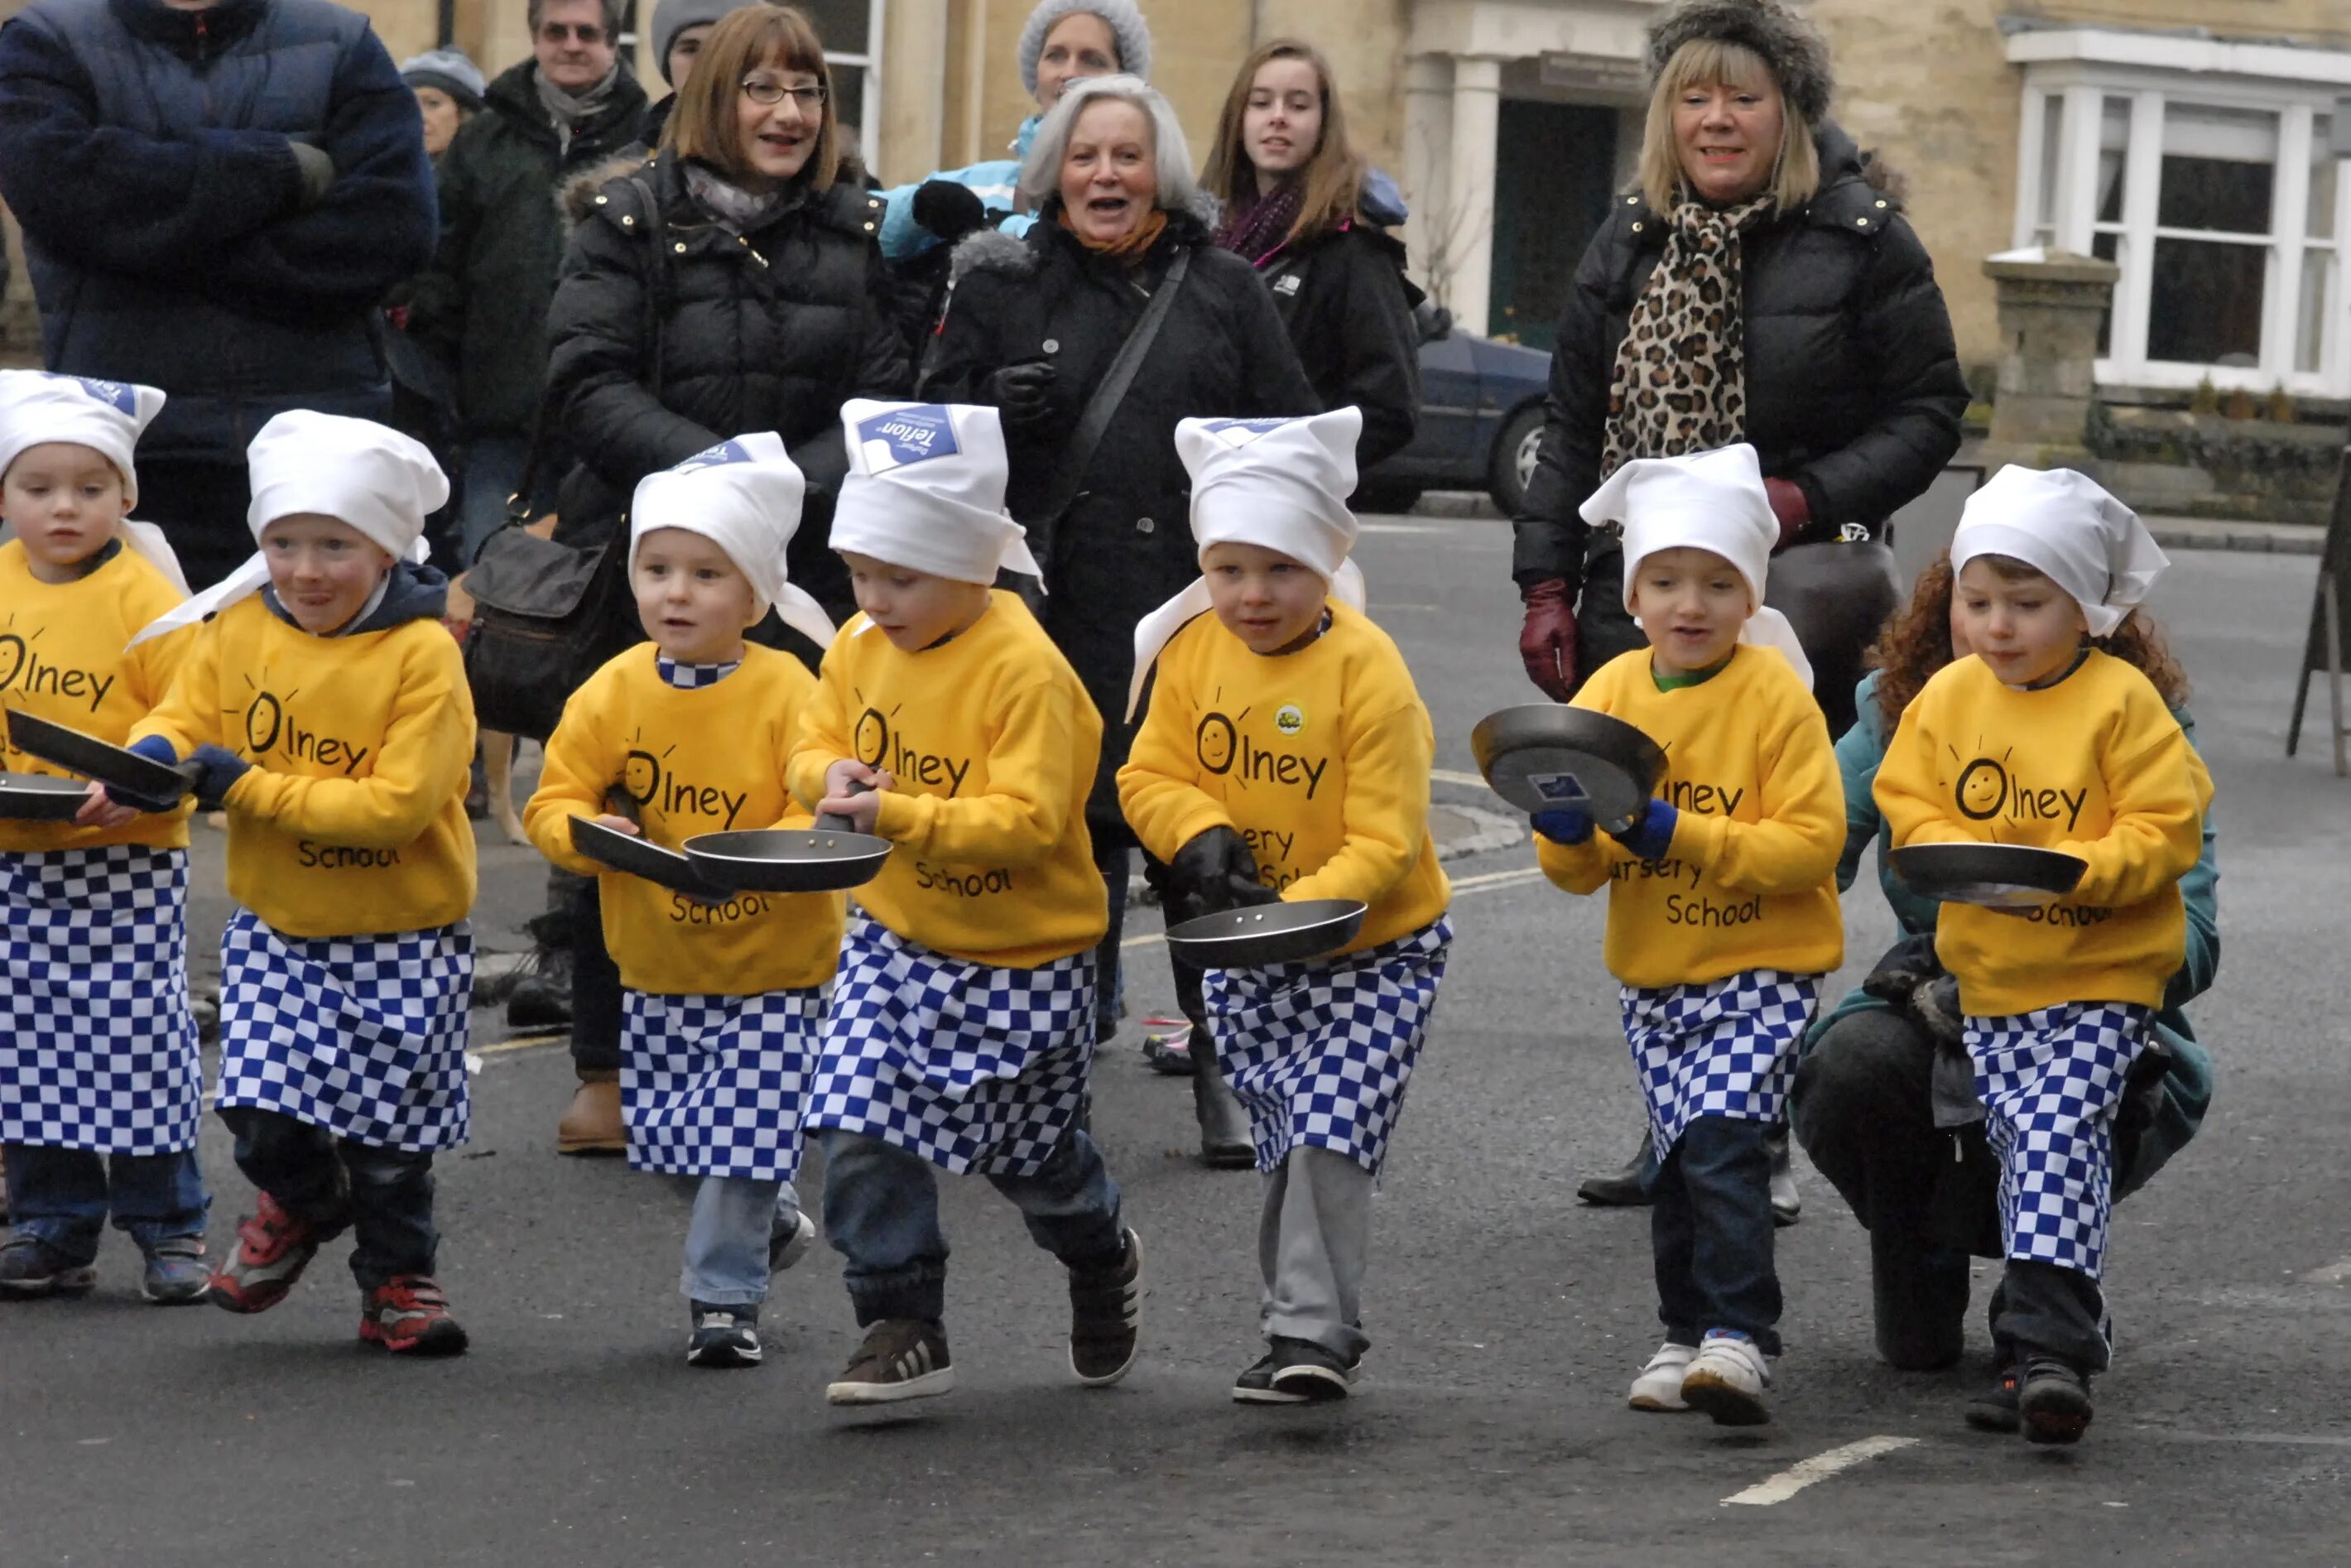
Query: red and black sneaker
273, 1247
408, 1315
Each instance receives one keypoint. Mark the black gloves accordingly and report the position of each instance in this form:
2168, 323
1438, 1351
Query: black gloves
1023, 394
948, 210
1211, 874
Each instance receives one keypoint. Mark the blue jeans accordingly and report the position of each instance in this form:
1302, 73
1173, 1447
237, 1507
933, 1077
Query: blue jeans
1711, 1226
727, 1240
493, 465
881, 1213
1110, 968
385, 1195
64, 1195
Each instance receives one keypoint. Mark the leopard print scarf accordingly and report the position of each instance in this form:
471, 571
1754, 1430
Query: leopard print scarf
1680, 380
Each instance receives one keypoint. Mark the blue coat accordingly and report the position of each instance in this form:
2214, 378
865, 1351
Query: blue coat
2188, 1087
148, 152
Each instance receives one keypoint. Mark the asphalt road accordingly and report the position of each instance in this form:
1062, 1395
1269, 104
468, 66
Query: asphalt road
1507, 1321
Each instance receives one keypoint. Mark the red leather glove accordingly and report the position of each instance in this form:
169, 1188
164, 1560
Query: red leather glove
1788, 505
1547, 641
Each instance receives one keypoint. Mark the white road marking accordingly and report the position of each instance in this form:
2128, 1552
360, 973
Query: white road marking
1819, 1468
1402, 528
1447, 776
2333, 1274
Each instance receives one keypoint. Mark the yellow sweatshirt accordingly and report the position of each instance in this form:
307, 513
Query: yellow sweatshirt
994, 744
1749, 881
2094, 765
1320, 758
686, 762
62, 658
352, 820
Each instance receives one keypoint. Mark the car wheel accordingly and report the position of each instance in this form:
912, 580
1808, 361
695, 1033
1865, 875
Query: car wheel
1513, 460
1384, 495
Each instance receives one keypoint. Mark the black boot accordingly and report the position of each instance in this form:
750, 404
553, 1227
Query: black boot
541, 998
1620, 1189
1225, 1141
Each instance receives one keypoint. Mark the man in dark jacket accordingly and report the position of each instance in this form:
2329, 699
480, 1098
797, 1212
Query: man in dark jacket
214, 198
482, 305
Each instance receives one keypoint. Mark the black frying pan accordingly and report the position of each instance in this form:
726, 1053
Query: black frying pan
1542, 756
155, 785
40, 797
826, 858
1266, 934
626, 852
1995, 876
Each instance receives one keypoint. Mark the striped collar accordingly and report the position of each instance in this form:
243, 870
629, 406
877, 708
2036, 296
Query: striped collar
693, 677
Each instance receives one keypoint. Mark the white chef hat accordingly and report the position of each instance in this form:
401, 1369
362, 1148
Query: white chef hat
107, 417
1714, 501
363, 475
2066, 526
925, 491
1281, 484
743, 495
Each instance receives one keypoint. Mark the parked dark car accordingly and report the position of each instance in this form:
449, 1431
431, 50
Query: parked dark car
1481, 413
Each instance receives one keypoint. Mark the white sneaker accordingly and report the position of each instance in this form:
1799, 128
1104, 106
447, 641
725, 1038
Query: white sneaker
788, 1239
1659, 1386
1728, 1379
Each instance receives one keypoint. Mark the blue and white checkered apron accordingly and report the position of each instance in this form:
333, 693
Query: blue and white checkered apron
1320, 1052
972, 1067
713, 1085
364, 1036
1717, 1048
98, 1046
2052, 1082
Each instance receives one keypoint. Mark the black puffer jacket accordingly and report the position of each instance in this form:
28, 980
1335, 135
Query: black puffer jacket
1342, 296
1124, 546
1854, 389
774, 329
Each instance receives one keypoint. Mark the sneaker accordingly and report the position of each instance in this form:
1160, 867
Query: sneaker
1255, 1386
273, 1247
31, 1268
408, 1315
1726, 1379
1994, 1409
902, 1358
177, 1274
1306, 1370
2053, 1404
724, 1336
1105, 1310
1659, 1386
788, 1240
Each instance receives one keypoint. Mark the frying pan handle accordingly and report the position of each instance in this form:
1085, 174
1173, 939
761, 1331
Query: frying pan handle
834, 822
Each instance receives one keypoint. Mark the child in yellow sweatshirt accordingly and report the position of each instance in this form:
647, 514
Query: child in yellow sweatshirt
326, 708
2050, 736
1286, 757
1723, 908
94, 971
723, 998
961, 1033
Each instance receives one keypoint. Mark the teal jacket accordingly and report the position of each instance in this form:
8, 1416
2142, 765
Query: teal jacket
995, 183
2188, 1087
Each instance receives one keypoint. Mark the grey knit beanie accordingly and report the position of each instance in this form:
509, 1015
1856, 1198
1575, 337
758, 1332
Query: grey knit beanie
672, 17
447, 69
1787, 43
1126, 25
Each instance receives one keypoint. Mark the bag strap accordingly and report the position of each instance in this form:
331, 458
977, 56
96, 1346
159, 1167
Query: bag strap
1110, 390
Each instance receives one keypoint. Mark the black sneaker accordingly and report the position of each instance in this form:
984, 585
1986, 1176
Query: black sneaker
1106, 1311
2054, 1402
902, 1358
724, 1336
1255, 1386
30, 1266
1305, 1370
1994, 1409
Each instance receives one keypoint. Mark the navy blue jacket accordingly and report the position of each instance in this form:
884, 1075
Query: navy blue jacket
148, 153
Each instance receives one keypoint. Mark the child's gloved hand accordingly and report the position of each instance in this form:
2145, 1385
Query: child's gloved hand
1563, 825
1652, 833
1203, 874
154, 749
222, 768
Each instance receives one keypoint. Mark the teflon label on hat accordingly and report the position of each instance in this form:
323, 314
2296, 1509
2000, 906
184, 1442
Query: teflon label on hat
1241, 432
117, 396
906, 435
725, 452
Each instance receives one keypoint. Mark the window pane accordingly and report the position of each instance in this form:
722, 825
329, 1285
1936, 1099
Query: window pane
849, 100
841, 24
2107, 247
2321, 179
2317, 291
2219, 166
2052, 120
2114, 158
2206, 304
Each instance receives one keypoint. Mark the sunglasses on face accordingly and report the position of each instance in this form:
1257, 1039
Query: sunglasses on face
586, 32
768, 90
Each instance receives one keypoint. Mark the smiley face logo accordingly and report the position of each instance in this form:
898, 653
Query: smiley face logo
641, 774
1290, 719
1215, 742
263, 717
1981, 792
871, 742
13, 653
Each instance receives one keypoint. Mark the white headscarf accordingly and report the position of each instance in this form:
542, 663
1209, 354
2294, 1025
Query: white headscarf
2065, 527
925, 491
1714, 501
361, 474
107, 417
1281, 484
743, 495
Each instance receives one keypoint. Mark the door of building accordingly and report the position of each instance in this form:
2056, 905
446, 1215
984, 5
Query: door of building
1554, 171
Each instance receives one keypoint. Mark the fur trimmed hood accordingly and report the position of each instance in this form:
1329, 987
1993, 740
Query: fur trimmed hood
1790, 43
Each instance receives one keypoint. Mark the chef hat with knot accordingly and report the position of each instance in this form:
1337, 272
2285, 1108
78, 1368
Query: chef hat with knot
37, 408
367, 476
1713, 501
1280, 483
2064, 525
743, 495
925, 491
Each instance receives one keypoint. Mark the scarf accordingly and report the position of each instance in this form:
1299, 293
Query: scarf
569, 111
1679, 384
737, 210
1127, 246
1254, 230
